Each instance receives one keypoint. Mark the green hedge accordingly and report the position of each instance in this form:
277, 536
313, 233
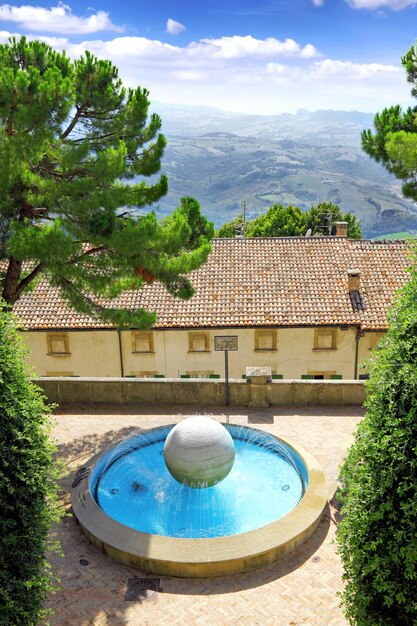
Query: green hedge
28, 503
377, 537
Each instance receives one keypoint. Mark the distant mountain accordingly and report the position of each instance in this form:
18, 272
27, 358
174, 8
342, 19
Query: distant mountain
224, 158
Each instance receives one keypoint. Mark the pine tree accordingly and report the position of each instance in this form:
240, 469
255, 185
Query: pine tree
394, 142
74, 146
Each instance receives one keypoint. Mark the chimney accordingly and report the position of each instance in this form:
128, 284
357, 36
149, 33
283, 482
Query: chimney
341, 229
353, 280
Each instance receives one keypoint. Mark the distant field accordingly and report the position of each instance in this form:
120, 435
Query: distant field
403, 235
229, 160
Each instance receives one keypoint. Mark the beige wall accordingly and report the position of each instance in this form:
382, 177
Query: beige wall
91, 353
96, 353
366, 344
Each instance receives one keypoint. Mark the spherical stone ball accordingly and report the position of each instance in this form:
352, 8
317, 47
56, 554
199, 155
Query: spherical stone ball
199, 452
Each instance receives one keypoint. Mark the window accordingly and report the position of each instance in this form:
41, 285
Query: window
265, 340
58, 344
198, 374
52, 374
145, 374
320, 376
198, 342
142, 341
325, 339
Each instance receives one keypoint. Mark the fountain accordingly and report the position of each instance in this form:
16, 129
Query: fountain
199, 498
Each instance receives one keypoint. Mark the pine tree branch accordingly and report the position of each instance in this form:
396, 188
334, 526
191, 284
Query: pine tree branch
28, 279
91, 251
41, 266
74, 121
94, 307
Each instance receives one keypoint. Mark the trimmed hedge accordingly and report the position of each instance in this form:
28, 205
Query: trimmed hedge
377, 538
28, 473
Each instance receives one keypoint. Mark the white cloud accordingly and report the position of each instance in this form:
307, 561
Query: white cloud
394, 5
309, 51
59, 19
175, 28
318, 3
245, 74
355, 71
237, 47
277, 68
188, 75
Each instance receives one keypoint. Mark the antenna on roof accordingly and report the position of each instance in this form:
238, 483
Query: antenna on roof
327, 223
241, 227
308, 233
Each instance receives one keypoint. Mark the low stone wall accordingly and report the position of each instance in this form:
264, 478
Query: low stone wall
201, 392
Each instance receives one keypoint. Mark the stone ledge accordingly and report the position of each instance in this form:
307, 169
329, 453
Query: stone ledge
199, 392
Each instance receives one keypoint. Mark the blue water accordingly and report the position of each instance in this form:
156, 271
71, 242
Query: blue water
133, 486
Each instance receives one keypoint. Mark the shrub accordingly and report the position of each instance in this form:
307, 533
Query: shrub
28, 502
377, 538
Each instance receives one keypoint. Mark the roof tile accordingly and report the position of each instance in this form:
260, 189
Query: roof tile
256, 282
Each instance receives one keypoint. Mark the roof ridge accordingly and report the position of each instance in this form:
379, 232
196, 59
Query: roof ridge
319, 238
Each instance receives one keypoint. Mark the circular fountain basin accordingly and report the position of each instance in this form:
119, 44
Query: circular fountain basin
128, 504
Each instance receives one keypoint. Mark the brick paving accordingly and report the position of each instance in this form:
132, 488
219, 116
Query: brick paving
297, 591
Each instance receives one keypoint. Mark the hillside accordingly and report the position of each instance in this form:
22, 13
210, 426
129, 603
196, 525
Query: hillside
225, 158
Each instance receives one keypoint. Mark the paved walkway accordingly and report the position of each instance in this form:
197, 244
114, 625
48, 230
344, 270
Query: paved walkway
300, 590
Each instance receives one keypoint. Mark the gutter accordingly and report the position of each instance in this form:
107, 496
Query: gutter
359, 334
122, 373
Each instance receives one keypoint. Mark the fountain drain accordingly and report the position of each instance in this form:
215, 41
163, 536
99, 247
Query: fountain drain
141, 588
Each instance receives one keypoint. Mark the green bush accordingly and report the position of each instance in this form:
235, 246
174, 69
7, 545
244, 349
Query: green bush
377, 538
28, 502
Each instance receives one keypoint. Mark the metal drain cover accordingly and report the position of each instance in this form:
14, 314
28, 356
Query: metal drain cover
140, 589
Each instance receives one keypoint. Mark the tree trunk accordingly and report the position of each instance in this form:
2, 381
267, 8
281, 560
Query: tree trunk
11, 281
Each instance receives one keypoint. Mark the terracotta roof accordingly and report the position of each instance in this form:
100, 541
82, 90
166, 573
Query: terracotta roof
288, 281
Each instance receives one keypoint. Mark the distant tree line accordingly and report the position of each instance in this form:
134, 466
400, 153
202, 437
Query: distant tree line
291, 221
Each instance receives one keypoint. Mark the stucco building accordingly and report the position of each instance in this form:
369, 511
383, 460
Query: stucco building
306, 307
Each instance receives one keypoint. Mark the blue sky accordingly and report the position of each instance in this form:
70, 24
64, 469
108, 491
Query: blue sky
263, 56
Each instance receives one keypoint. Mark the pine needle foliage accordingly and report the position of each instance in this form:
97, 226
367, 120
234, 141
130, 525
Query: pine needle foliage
28, 474
393, 142
75, 145
377, 538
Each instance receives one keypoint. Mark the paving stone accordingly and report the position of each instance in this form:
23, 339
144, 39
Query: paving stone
295, 592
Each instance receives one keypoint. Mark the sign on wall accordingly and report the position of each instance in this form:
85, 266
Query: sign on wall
225, 342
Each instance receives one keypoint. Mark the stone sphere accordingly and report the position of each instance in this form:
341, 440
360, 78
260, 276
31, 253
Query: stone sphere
199, 452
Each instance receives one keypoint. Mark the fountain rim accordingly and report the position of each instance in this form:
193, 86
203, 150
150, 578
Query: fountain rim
206, 556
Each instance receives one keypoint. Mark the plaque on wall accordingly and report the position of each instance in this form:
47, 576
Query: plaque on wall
225, 342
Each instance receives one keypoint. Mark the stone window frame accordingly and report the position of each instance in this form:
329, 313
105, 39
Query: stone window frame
266, 332
148, 334
321, 332
50, 340
64, 374
144, 374
199, 373
327, 375
198, 335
